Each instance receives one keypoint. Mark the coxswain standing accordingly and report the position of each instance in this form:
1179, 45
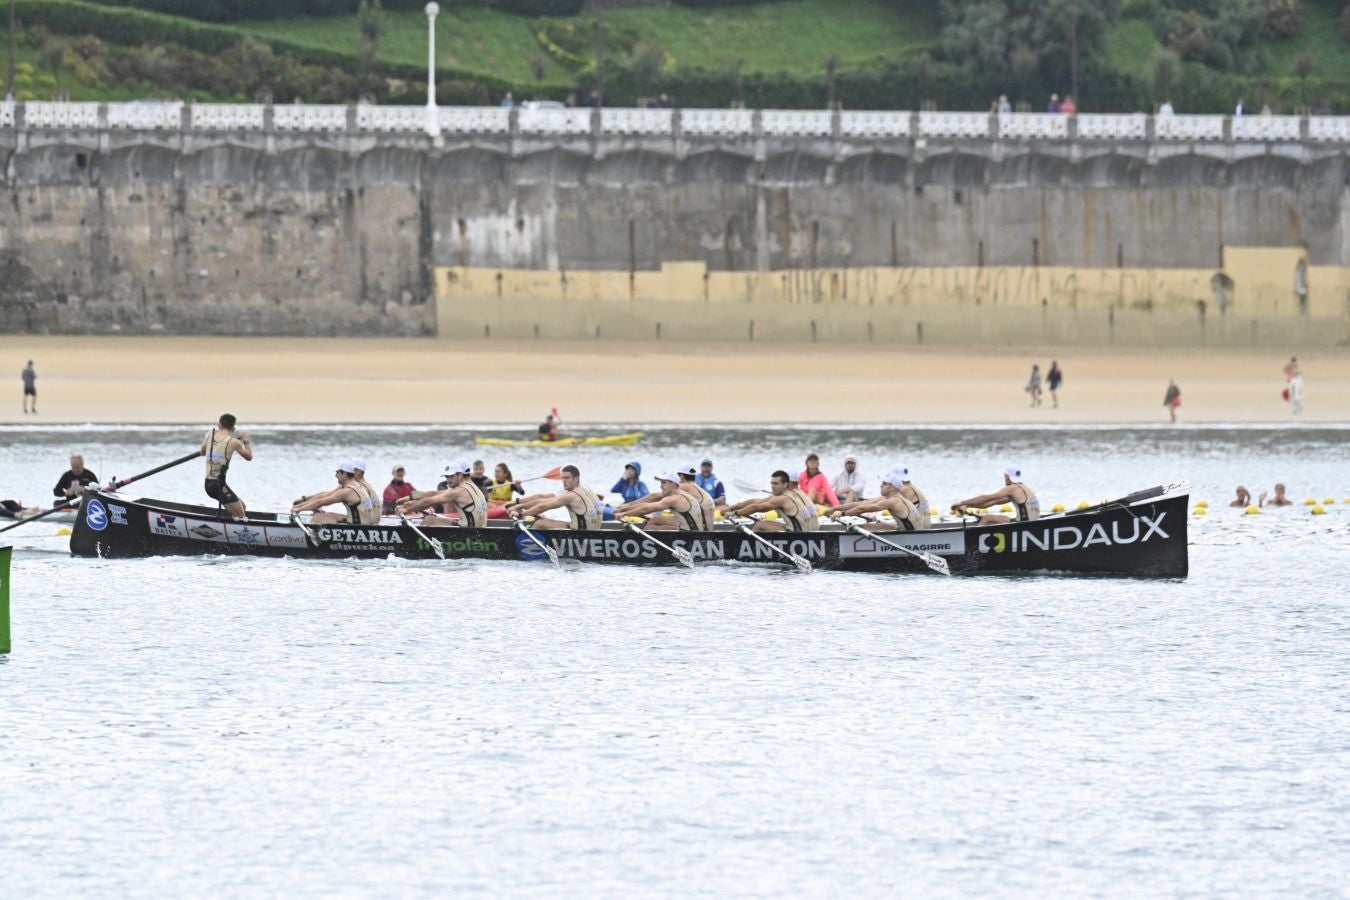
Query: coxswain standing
1022, 498
688, 514
219, 447
795, 510
584, 507
904, 514
346, 493
461, 493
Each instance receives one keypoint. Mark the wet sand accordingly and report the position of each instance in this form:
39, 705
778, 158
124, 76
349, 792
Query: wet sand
320, 380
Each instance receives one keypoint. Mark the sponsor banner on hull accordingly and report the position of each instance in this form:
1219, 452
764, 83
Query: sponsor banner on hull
285, 537
118, 514
166, 525
857, 546
202, 530
244, 534
95, 515
347, 537
1055, 538
700, 548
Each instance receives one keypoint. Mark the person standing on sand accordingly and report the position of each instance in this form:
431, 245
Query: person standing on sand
1293, 390
1172, 399
1034, 385
29, 377
1053, 379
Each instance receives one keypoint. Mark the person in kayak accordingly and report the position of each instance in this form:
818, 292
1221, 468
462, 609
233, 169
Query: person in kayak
904, 514
631, 487
795, 510
504, 486
1023, 499
346, 493
585, 509
461, 494
219, 447
688, 514
551, 429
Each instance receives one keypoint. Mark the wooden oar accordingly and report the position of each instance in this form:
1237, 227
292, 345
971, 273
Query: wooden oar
309, 535
435, 545
683, 556
552, 554
802, 564
116, 485
931, 560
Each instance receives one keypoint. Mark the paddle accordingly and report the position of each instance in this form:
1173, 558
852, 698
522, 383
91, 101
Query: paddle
553, 474
683, 556
932, 561
802, 564
115, 485
435, 545
552, 554
309, 535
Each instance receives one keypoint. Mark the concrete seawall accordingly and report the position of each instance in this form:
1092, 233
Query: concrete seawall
221, 233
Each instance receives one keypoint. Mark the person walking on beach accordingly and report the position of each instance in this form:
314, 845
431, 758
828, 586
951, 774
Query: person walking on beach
1053, 379
1034, 385
1172, 399
1293, 389
29, 377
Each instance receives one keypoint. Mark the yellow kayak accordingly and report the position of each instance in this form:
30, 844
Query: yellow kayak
613, 440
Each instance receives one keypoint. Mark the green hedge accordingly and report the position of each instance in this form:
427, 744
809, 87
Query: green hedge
234, 10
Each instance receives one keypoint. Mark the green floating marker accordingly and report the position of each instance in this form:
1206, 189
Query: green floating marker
5, 554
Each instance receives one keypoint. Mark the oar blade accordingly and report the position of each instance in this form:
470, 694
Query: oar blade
937, 564
685, 557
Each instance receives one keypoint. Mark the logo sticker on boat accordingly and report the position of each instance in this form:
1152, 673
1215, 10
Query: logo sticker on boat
242, 534
528, 549
200, 530
284, 537
169, 526
95, 516
1139, 529
859, 547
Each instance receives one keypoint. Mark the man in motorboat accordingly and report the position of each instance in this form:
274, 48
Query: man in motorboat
355, 510
795, 510
461, 494
905, 515
585, 510
1026, 507
687, 512
220, 446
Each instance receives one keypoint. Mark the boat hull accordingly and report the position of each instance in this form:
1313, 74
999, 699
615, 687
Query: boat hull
613, 440
1146, 539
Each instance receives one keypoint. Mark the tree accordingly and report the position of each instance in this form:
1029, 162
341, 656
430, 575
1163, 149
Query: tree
647, 60
1345, 22
370, 23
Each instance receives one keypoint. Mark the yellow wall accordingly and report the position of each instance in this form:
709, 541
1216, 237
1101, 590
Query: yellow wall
684, 301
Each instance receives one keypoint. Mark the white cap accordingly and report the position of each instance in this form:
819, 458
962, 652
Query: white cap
359, 464
458, 467
669, 476
850, 458
691, 471
1013, 472
895, 478
902, 471
346, 466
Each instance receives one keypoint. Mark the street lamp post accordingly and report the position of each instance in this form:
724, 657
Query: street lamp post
433, 120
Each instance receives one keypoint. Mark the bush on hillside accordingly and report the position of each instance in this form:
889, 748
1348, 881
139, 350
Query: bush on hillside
234, 10
1345, 22
1283, 17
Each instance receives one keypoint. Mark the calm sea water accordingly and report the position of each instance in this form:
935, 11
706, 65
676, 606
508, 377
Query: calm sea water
259, 728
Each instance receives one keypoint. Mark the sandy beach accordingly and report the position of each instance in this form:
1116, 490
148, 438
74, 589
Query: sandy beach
290, 380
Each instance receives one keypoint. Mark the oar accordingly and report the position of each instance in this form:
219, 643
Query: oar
931, 560
116, 485
748, 487
552, 554
309, 535
802, 564
683, 556
435, 545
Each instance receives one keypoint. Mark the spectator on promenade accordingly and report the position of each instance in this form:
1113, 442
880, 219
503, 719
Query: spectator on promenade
1165, 111
508, 101
595, 101
1068, 107
711, 483
1054, 105
1172, 399
396, 490
1034, 385
1004, 107
1053, 379
849, 485
1293, 388
1238, 110
630, 487
813, 483
1243, 499
29, 376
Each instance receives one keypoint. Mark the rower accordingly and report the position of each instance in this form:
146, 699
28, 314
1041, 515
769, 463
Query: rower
904, 514
585, 509
219, 447
1022, 498
689, 484
688, 514
914, 495
461, 493
346, 493
795, 510
372, 498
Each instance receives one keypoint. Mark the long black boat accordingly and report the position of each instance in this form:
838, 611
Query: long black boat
1142, 535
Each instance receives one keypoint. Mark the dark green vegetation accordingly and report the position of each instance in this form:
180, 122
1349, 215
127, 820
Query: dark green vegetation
1114, 55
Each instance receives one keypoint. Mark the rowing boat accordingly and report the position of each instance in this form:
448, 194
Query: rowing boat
1142, 535
612, 440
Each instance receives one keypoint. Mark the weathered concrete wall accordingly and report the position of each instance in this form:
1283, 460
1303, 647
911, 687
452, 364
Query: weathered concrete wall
315, 236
